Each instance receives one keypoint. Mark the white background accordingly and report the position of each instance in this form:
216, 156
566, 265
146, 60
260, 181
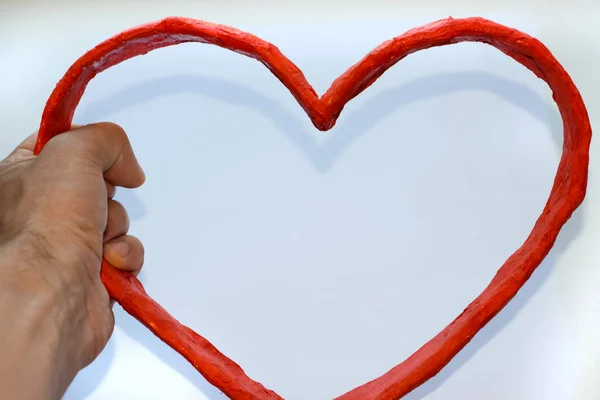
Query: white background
320, 260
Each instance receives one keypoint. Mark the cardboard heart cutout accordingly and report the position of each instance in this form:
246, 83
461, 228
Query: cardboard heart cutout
567, 193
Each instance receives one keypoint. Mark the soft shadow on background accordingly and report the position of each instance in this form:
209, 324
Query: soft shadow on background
350, 126
323, 157
569, 232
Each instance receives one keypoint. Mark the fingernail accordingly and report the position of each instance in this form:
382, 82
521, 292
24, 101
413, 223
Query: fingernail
119, 247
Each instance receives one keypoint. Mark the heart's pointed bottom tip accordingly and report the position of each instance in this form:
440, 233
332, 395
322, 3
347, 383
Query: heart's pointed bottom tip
324, 125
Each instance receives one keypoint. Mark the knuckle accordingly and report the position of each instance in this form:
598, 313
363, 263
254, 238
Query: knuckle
65, 149
89, 143
108, 128
58, 143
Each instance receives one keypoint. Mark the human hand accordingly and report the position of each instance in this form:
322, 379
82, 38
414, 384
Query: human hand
57, 221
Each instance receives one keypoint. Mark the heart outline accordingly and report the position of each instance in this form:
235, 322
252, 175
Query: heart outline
567, 193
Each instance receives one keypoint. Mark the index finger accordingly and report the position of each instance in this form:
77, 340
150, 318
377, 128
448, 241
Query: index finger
104, 144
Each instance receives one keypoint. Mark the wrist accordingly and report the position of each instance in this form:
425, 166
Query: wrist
38, 359
31, 363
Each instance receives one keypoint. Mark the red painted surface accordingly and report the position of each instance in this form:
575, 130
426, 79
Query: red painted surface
567, 192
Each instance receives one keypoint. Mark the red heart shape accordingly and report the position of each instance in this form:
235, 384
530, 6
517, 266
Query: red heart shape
567, 192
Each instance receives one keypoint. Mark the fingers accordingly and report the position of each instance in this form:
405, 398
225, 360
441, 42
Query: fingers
111, 190
126, 253
117, 223
107, 146
123, 251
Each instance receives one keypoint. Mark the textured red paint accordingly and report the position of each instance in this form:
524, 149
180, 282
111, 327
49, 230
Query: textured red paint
567, 192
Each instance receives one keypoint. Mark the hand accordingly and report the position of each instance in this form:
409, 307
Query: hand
57, 221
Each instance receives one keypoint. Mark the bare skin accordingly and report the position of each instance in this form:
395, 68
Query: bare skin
57, 221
